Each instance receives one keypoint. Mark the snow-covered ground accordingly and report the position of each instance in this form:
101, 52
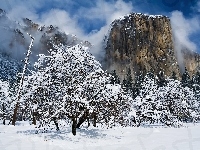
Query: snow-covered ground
23, 137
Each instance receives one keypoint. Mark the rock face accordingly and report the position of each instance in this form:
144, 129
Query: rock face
141, 42
191, 60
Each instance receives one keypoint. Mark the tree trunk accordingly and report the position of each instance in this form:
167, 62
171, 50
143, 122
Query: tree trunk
83, 118
34, 118
4, 115
22, 118
95, 120
88, 121
14, 118
74, 123
56, 123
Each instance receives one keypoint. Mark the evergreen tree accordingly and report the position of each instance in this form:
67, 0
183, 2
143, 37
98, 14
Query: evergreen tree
146, 100
139, 78
129, 81
168, 105
196, 78
186, 79
5, 102
124, 85
114, 78
150, 74
173, 76
161, 79
196, 84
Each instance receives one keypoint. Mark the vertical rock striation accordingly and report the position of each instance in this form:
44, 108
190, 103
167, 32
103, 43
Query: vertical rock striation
141, 42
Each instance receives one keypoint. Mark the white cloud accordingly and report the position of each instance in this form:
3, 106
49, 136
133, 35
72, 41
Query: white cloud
107, 12
182, 29
19, 12
63, 20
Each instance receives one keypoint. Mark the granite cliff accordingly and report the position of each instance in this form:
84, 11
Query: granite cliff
144, 42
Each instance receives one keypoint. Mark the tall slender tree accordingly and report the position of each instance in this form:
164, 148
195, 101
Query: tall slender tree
139, 78
22, 81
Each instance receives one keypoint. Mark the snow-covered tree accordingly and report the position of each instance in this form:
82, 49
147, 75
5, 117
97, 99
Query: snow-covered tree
6, 101
127, 84
114, 78
196, 85
20, 85
129, 80
181, 101
186, 79
57, 74
137, 85
70, 84
168, 105
161, 79
146, 101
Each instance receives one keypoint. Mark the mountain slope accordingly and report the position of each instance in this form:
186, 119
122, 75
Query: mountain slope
14, 42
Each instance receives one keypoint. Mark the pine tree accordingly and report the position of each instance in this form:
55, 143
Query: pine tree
129, 80
124, 85
197, 77
150, 74
173, 76
186, 79
168, 105
161, 79
196, 85
146, 100
139, 78
115, 78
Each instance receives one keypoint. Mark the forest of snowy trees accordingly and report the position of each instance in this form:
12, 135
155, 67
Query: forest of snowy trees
69, 84
164, 100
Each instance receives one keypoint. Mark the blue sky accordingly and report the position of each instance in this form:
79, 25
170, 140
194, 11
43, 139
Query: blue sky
90, 19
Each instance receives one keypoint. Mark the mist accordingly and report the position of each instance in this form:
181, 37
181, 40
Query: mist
182, 29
